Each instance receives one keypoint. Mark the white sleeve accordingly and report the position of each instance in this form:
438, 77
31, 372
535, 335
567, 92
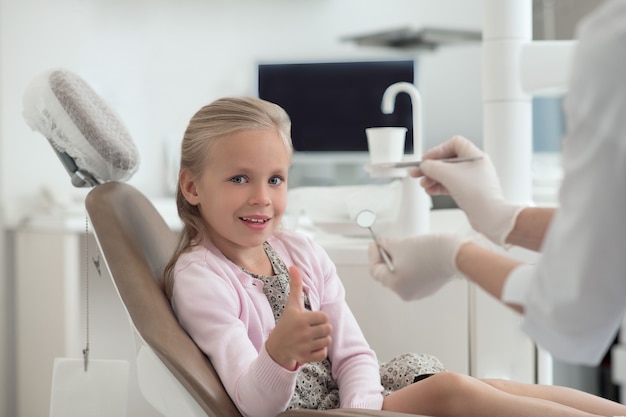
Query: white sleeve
577, 294
517, 285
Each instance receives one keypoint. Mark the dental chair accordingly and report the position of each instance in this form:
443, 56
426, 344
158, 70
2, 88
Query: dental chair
174, 375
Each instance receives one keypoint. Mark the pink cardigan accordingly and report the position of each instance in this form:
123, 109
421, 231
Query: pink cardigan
227, 314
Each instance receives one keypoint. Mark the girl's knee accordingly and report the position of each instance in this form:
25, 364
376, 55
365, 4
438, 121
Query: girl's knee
444, 393
450, 386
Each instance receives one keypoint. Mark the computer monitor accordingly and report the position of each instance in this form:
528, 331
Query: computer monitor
332, 103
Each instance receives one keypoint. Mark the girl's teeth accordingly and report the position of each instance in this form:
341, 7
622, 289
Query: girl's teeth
255, 220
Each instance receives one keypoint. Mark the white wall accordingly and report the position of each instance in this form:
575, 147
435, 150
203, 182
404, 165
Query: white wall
157, 61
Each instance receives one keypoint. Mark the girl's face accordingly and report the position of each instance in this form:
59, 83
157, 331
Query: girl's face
242, 193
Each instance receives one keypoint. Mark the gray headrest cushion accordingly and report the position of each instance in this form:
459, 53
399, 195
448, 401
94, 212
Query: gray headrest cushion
77, 121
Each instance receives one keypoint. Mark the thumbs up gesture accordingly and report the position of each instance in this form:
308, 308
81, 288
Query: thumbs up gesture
300, 336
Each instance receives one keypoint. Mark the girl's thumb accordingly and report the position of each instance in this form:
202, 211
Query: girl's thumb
295, 288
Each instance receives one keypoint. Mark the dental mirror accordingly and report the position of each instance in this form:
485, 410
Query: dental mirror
366, 219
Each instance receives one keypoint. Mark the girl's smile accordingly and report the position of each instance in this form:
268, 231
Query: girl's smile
256, 222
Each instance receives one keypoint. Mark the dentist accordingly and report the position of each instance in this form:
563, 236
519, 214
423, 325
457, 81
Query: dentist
573, 299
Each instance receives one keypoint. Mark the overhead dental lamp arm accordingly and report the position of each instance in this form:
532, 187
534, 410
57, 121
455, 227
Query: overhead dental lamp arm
514, 67
545, 65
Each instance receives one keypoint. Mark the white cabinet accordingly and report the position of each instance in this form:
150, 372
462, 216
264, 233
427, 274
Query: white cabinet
47, 313
50, 314
437, 325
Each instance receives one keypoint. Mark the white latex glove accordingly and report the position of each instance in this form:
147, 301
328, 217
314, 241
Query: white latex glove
474, 186
422, 264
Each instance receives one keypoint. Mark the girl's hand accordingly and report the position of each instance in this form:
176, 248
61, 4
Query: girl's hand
300, 336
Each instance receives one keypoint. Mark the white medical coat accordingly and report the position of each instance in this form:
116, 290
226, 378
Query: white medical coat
576, 293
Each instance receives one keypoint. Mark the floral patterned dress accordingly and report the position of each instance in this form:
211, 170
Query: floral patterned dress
315, 387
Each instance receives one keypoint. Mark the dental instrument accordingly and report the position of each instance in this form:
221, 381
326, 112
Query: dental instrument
408, 164
366, 220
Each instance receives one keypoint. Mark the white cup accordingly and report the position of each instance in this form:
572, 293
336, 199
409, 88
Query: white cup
385, 144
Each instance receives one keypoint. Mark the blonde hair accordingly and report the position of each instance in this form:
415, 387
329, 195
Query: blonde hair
213, 122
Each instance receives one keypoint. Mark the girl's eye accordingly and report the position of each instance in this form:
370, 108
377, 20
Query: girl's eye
239, 179
275, 180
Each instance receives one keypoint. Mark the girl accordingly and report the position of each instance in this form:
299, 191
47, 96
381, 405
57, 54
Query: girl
268, 309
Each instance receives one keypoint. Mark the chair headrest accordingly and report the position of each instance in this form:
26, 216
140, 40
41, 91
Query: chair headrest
89, 138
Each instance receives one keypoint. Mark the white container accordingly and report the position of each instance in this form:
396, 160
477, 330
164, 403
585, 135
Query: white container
385, 144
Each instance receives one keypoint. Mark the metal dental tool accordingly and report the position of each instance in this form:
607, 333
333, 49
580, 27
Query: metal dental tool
407, 164
366, 220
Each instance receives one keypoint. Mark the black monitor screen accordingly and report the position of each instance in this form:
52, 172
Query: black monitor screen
331, 104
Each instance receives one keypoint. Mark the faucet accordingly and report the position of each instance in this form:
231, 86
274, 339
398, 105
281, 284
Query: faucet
388, 105
414, 213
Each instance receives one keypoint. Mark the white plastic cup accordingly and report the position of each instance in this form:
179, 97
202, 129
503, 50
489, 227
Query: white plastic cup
385, 144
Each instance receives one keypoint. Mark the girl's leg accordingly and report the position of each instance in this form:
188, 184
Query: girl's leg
567, 396
455, 395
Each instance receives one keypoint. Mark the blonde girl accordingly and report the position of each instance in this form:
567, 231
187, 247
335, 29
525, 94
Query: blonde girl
267, 306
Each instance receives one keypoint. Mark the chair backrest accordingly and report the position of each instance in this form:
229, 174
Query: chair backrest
136, 244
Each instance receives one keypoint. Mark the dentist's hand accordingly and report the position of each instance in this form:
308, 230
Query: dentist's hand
300, 336
423, 264
474, 186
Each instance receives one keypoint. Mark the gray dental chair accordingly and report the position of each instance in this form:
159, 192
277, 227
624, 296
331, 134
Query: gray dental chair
175, 377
